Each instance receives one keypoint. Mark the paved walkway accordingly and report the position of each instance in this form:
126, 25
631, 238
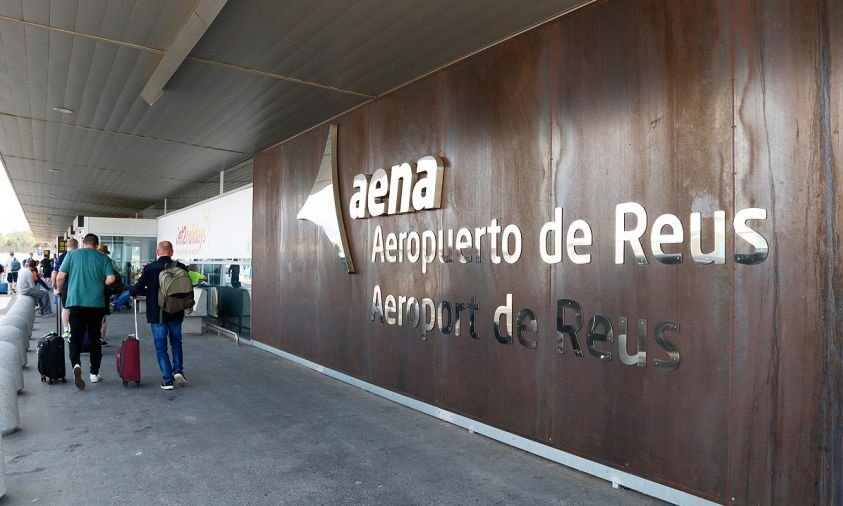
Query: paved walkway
252, 428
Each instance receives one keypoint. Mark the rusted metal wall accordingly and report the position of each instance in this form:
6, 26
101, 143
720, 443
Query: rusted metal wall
679, 106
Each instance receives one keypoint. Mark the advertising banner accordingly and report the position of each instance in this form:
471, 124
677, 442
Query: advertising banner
217, 229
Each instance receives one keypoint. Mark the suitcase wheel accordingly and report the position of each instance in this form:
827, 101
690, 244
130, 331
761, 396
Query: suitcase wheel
43, 379
137, 383
125, 384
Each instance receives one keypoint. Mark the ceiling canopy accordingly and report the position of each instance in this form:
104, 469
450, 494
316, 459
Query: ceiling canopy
236, 77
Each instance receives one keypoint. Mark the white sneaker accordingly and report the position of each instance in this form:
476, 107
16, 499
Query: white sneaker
95, 378
77, 377
180, 380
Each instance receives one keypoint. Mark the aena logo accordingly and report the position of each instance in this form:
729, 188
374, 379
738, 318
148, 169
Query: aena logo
406, 188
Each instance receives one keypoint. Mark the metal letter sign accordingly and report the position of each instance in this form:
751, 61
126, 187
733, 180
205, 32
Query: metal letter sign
323, 205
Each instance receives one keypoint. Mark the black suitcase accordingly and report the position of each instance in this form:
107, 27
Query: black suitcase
51, 358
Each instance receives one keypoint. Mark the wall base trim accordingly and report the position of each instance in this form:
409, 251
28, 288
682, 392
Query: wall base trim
614, 476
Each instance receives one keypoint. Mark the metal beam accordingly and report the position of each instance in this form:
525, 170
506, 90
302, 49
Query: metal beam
193, 29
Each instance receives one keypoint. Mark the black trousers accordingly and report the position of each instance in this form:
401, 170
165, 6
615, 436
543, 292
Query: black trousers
82, 320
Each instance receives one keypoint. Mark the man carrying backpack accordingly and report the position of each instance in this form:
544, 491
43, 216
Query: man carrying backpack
12, 268
169, 292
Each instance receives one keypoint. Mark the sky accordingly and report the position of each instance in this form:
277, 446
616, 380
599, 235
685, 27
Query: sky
11, 214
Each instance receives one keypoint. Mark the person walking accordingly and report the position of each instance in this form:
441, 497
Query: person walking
89, 272
47, 267
12, 268
234, 272
72, 244
163, 323
28, 286
108, 293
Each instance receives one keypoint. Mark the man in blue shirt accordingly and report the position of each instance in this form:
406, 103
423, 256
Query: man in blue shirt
89, 271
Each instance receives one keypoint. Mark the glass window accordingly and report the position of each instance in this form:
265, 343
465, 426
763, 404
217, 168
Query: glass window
130, 254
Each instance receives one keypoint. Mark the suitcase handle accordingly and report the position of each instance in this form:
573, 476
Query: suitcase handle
135, 308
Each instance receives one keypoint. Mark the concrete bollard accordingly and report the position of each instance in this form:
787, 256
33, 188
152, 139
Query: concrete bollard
23, 317
19, 322
10, 360
13, 335
25, 309
9, 414
12, 302
23, 314
22, 303
2, 469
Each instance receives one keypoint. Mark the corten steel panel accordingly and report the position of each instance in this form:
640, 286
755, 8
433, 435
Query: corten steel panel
831, 37
786, 318
403, 127
680, 106
642, 114
496, 140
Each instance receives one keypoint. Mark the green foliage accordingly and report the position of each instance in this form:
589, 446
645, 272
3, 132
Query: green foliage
20, 242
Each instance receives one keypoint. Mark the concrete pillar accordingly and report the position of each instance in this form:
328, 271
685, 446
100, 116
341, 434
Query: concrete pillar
10, 360
13, 335
9, 415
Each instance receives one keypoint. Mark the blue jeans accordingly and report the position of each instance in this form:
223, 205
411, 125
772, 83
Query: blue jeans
159, 335
122, 300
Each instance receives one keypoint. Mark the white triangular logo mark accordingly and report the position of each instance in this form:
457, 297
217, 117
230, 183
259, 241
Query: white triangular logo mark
323, 206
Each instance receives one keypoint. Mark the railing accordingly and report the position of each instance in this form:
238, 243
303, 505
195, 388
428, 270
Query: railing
219, 329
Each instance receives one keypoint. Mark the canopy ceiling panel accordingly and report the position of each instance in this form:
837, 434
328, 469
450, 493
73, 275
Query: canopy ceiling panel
84, 147
235, 110
263, 72
87, 177
152, 23
70, 208
369, 46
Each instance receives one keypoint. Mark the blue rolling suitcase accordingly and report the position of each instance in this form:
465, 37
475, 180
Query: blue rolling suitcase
4, 288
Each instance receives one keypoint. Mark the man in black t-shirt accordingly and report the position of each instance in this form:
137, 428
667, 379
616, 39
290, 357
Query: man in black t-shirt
46, 267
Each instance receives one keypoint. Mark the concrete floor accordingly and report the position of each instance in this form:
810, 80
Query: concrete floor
252, 428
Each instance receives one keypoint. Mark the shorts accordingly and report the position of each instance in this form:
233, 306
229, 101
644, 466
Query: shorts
12, 277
